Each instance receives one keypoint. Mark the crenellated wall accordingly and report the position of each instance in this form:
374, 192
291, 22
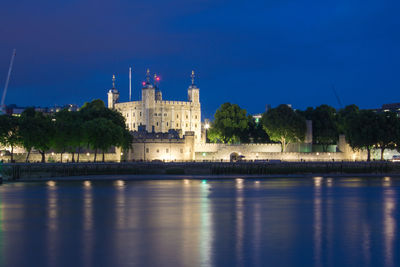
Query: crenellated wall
224, 152
267, 156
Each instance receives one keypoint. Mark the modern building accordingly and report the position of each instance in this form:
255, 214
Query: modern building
393, 107
158, 115
17, 111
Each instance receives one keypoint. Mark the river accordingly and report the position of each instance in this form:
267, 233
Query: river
316, 221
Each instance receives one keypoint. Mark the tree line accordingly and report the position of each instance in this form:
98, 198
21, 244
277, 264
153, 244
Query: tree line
364, 129
94, 126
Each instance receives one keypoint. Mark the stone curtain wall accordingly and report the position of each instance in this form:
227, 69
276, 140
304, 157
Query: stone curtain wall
218, 152
243, 148
67, 157
264, 156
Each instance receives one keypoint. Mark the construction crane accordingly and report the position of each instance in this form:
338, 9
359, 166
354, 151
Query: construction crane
2, 106
337, 96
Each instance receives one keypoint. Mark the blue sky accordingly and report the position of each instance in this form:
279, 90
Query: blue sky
250, 53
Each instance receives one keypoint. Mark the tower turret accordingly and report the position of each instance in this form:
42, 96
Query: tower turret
113, 95
193, 91
158, 95
148, 101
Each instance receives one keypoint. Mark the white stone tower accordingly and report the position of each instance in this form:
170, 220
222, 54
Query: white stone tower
148, 101
113, 95
193, 91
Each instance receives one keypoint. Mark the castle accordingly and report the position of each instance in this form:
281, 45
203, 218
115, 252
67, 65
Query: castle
172, 131
158, 115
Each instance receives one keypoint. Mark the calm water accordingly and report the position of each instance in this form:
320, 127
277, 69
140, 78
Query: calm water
275, 222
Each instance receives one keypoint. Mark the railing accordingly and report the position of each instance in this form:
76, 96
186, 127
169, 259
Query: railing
48, 170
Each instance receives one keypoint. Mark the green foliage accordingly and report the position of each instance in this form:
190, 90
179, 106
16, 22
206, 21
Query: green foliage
254, 133
93, 126
37, 131
27, 123
324, 125
229, 123
9, 132
102, 133
344, 118
214, 135
284, 125
388, 131
103, 127
362, 130
64, 130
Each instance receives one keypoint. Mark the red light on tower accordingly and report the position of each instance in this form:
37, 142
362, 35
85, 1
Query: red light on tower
143, 83
158, 79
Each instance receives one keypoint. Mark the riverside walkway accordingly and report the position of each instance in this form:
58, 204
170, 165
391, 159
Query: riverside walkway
26, 171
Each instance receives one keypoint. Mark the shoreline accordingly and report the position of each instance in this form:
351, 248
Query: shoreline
219, 170
139, 177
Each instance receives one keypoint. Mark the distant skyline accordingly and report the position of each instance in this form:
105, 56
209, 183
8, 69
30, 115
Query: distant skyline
251, 53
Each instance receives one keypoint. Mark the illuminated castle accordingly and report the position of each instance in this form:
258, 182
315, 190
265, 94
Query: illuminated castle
158, 115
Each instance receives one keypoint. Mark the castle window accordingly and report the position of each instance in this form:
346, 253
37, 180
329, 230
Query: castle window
127, 114
177, 125
155, 114
157, 123
134, 125
158, 151
195, 125
167, 123
186, 125
177, 116
133, 114
166, 150
195, 117
181, 150
187, 117
159, 114
165, 114
147, 150
140, 114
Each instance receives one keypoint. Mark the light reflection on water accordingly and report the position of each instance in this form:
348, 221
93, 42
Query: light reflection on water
389, 222
287, 222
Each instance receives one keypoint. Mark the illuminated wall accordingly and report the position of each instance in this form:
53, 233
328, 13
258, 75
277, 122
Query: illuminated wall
147, 149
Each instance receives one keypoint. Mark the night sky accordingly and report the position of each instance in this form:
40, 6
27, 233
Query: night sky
247, 52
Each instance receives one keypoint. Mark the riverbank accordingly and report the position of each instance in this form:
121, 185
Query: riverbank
34, 171
138, 177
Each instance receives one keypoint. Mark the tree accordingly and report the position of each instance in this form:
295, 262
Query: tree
362, 130
284, 125
9, 132
118, 133
63, 131
37, 132
324, 126
254, 132
229, 123
97, 109
344, 118
26, 124
387, 131
103, 134
77, 134
214, 135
